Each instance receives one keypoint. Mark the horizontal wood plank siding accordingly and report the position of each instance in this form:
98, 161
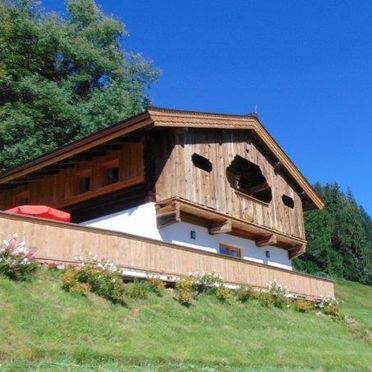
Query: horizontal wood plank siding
62, 242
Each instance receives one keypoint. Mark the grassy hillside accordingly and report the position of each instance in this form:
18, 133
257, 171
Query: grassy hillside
44, 328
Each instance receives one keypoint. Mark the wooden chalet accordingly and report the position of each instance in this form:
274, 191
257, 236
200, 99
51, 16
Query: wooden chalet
170, 192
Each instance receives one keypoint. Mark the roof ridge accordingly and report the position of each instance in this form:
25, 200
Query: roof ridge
196, 112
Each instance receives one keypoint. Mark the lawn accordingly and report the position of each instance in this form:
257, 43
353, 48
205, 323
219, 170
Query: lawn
44, 328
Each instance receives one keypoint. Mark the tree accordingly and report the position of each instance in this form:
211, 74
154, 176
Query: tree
62, 78
339, 237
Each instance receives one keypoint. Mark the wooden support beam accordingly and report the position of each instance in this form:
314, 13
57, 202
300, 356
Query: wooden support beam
258, 188
110, 146
267, 240
168, 215
45, 172
220, 227
97, 153
296, 251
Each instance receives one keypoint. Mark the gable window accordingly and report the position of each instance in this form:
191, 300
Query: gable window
288, 201
247, 178
201, 162
112, 175
111, 172
84, 184
229, 250
22, 198
83, 181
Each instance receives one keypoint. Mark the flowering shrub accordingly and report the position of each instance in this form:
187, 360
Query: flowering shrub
16, 259
97, 275
205, 282
329, 306
277, 289
278, 293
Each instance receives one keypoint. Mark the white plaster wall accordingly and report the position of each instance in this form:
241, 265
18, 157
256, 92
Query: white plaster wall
180, 234
141, 221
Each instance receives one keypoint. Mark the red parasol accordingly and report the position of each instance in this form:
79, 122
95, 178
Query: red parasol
42, 211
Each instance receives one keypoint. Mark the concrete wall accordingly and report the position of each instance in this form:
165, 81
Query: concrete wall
141, 221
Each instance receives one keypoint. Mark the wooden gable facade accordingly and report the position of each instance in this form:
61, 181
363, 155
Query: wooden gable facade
223, 171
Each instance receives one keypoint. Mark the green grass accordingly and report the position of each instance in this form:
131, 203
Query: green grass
44, 328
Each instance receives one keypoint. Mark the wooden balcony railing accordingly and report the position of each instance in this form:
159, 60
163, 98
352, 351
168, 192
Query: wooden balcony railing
61, 242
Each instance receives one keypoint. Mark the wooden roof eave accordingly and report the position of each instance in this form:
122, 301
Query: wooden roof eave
176, 206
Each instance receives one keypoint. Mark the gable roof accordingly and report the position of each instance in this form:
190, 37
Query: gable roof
160, 117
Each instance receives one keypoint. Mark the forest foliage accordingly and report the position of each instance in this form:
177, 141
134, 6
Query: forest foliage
63, 77
339, 237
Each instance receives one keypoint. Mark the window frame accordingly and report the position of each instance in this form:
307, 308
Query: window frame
230, 247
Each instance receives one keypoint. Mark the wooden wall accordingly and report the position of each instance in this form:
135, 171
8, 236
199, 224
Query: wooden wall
60, 190
58, 241
178, 176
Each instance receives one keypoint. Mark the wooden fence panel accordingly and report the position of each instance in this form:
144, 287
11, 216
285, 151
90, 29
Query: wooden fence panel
57, 241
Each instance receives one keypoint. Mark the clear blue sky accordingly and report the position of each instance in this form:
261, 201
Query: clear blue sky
306, 65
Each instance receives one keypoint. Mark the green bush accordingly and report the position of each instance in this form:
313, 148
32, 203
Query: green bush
303, 306
333, 310
224, 294
185, 290
137, 290
279, 301
244, 293
17, 261
156, 286
99, 276
264, 298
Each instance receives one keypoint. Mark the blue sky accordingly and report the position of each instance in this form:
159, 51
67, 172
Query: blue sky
305, 65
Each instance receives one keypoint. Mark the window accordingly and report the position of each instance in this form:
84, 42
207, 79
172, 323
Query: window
201, 162
247, 178
84, 184
288, 201
112, 175
22, 198
229, 250
111, 172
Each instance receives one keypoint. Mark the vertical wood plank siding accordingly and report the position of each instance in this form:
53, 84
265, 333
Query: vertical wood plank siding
178, 176
62, 242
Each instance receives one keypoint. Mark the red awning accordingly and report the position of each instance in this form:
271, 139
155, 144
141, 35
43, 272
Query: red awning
42, 211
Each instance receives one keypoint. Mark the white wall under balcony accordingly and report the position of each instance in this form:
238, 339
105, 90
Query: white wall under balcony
141, 221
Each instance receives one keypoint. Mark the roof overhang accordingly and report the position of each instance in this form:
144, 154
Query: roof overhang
161, 118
